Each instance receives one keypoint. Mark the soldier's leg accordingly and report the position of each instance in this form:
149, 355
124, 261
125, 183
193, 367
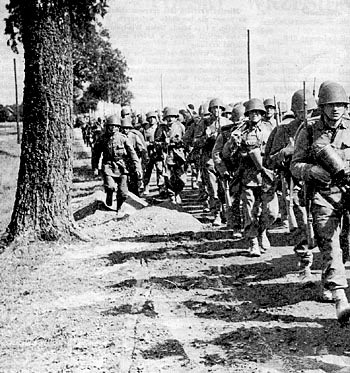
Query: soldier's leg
205, 185
234, 220
302, 250
148, 172
122, 192
326, 220
162, 177
269, 213
345, 235
110, 187
176, 182
133, 182
250, 210
213, 188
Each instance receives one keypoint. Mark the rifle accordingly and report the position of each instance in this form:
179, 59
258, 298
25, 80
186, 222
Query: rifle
292, 221
307, 201
278, 118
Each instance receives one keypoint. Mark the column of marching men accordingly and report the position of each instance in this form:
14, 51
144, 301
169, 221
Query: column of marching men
254, 164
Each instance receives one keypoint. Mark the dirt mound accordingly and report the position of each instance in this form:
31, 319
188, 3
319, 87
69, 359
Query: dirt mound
152, 220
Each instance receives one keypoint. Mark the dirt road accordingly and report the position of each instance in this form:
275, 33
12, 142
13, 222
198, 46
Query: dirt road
180, 297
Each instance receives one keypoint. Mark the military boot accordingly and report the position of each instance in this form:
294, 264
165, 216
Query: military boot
217, 219
342, 306
254, 249
264, 241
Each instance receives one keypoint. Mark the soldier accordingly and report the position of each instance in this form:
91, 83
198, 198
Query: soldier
227, 170
318, 148
138, 143
155, 154
280, 156
193, 131
205, 140
227, 113
259, 201
169, 137
270, 115
116, 151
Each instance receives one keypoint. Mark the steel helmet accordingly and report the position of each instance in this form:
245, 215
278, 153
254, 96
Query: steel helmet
203, 109
238, 112
297, 103
254, 104
216, 102
126, 123
142, 119
126, 110
170, 112
326, 82
269, 102
332, 93
151, 114
113, 120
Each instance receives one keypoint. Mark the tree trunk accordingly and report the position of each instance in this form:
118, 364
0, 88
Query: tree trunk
42, 207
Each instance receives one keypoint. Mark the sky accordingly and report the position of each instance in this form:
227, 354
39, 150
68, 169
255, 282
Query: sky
197, 49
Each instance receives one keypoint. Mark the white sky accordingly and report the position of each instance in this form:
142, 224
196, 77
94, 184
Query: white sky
200, 48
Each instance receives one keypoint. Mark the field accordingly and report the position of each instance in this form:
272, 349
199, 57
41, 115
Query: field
157, 291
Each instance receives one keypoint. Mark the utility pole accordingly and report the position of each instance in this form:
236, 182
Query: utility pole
248, 52
17, 109
161, 91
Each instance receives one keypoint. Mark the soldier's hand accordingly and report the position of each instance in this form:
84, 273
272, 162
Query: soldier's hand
318, 173
95, 172
289, 149
226, 175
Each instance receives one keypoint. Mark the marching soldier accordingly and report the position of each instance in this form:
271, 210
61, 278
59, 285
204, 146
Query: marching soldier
270, 109
259, 201
227, 170
322, 160
155, 154
169, 137
205, 140
280, 156
193, 158
138, 143
116, 150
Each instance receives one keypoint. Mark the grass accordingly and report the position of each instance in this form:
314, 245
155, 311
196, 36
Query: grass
9, 164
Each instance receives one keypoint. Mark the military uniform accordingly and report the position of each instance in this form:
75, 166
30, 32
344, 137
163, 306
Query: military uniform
169, 138
327, 202
208, 130
116, 150
155, 154
194, 155
259, 201
317, 148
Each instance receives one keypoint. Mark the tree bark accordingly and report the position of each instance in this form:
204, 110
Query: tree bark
42, 207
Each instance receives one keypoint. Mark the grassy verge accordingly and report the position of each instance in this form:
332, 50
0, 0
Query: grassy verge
9, 161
